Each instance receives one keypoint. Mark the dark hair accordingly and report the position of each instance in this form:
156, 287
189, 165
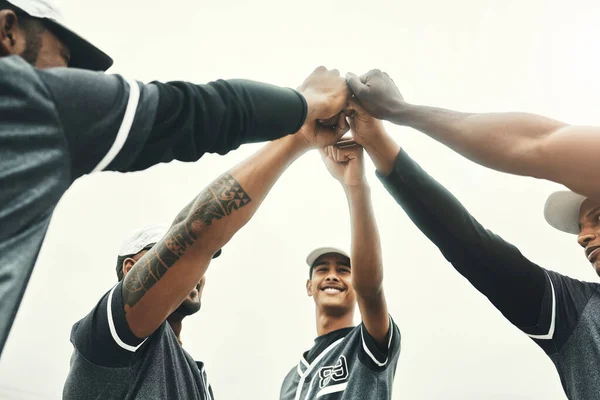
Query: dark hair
120, 259
33, 28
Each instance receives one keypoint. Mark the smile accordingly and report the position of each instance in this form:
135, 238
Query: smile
593, 254
332, 290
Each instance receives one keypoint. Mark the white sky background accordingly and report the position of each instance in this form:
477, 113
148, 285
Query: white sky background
471, 55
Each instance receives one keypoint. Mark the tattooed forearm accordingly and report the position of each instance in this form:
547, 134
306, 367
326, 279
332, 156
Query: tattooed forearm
220, 199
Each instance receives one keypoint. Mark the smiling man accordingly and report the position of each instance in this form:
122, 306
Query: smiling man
348, 362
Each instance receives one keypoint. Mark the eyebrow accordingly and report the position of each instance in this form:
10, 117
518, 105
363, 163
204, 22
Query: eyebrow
593, 210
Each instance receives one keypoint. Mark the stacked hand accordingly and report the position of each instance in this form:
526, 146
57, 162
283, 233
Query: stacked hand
326, 94
377, 94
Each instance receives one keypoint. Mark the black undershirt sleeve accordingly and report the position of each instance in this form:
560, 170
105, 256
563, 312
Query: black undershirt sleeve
111, 123
515, 285
216, 117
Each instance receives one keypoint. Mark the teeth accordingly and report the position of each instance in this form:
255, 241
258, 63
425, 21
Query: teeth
332, 290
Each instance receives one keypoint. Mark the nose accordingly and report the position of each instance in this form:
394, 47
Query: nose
332, 277
585, 238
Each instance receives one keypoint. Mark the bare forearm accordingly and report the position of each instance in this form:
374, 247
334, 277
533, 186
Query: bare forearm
367, 270
508, 142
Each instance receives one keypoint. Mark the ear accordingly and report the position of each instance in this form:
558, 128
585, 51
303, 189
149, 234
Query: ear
12, 40
309, 291
128, 263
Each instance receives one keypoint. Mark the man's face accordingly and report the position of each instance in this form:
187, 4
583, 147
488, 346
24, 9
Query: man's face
192, 302
331, 284
32, 41
589, 235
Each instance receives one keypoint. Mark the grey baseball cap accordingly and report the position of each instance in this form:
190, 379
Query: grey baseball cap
84, 55
562, 210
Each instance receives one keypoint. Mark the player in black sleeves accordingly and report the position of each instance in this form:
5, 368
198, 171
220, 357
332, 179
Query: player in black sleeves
560, 314
348, 362
127, 347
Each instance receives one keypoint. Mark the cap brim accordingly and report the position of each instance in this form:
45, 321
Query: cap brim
84, 55
562, 211
312, 257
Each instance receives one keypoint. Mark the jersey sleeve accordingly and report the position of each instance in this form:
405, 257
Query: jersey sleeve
515, 286
103, 336
111, 123
372, 355
564, 302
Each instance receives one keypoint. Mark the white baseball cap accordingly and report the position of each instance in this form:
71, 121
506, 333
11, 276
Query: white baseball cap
145, 238
562, 210
316, 253
84, 55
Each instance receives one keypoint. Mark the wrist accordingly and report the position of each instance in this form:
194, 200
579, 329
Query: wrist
296, 144
359, 187
400, 113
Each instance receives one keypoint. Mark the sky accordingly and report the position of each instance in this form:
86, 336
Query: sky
469, 55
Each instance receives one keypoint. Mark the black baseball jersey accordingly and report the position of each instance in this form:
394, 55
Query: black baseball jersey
109, 362
59, 124
345, 365
560, 314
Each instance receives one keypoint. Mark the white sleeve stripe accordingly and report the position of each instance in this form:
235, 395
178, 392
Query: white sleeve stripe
111, 326
332, 389
550, 333
123, 133
369, 351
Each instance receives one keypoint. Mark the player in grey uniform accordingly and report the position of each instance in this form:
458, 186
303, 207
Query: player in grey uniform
127, 347
348, 362
560, 314
59, 124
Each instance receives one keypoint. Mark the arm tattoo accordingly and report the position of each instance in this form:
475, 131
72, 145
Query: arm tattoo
220, 199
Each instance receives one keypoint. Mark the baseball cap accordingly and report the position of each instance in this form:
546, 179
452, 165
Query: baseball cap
562, 210
84, 55
316, 253
143, 239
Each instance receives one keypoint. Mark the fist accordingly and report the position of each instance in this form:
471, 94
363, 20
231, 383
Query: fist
377, 93
365, 128
326, 94
345, 163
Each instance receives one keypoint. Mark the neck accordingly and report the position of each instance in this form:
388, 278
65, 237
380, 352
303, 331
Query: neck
327, 323
175, 320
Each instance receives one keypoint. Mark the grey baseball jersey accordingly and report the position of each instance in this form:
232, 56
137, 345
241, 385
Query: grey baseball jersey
345, 365
110, 362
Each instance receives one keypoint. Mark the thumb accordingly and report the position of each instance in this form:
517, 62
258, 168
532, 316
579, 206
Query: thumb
355, 84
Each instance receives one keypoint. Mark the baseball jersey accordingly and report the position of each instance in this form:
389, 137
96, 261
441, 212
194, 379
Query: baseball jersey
345, 364
560, 314
109, 362
59, 124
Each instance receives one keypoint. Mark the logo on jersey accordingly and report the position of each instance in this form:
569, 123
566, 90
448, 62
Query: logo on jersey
338, 372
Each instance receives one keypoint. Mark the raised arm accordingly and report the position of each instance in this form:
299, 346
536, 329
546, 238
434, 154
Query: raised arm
515, 285
516, 143
122, 125
347, 166
164, 276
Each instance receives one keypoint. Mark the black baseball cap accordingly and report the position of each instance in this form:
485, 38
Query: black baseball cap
84, 55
